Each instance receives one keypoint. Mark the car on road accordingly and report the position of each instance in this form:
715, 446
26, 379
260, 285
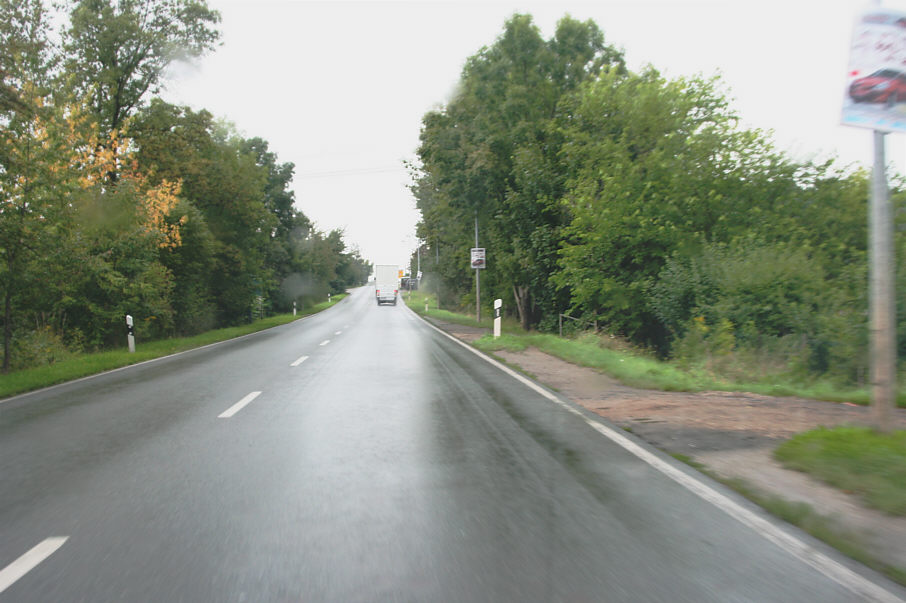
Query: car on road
882, 86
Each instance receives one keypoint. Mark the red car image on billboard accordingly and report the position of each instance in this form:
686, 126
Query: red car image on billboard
874, 95
882, 86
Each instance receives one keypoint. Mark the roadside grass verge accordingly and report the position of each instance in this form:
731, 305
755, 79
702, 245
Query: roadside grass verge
632, 370
83, 365
633, 367
417, 303
854, 459
804, 517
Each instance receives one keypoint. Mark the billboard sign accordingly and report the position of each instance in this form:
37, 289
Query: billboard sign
875, 95
478, 258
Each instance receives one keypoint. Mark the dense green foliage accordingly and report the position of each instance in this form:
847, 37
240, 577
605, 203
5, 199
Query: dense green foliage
640, 203
115, 203
490, 155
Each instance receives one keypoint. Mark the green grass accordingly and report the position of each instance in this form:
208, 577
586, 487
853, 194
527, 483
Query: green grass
416, 300
83, 365
854, 459
633, 370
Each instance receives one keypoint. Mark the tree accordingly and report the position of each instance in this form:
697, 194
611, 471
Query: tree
653, 166
279, 200
36, 152
488, 155
123, 227
118, 50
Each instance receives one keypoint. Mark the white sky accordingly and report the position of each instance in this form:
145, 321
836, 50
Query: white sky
339, 88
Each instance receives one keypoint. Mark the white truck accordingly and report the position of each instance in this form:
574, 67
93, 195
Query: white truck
386, 283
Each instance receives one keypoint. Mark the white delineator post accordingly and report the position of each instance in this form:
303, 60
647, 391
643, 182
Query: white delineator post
130, 333
498, 304
294, 308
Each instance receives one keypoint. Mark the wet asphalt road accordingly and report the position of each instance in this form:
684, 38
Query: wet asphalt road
388, 465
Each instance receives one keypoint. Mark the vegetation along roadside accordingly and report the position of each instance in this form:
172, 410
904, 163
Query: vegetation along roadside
114, 202
637, 368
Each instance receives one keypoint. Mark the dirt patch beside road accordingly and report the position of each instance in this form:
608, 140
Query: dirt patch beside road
732, 434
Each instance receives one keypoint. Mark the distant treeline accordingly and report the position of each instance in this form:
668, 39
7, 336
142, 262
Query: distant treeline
113, 202
639, 202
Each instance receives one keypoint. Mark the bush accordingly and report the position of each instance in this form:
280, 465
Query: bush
726, 302
40, 347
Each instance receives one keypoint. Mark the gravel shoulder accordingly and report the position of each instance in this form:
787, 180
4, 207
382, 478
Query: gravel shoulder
732, 434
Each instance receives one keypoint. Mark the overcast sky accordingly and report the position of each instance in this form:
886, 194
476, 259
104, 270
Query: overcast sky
339, 88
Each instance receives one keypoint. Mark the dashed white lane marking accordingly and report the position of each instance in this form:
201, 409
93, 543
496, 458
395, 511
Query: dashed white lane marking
325, 342
338, 332
232, 410
864, 588
29, 561
299, 361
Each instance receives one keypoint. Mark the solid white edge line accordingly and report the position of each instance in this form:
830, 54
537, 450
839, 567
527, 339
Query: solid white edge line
232, 410
27, 562
300, 360
325, 342
839, 573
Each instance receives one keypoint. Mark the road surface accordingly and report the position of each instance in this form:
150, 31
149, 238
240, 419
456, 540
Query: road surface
360, 455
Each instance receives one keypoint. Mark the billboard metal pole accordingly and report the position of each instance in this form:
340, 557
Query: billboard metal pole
882, 315
477, 279
878, 49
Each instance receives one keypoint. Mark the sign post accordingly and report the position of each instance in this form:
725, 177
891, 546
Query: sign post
478, 263
875, 93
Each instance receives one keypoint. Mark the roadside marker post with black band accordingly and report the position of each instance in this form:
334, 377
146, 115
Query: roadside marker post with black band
130, 333
498, 305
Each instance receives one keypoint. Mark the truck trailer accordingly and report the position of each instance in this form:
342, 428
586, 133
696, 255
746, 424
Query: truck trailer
386, 283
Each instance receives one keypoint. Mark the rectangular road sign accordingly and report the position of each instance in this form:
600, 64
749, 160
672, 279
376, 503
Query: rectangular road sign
478, 258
